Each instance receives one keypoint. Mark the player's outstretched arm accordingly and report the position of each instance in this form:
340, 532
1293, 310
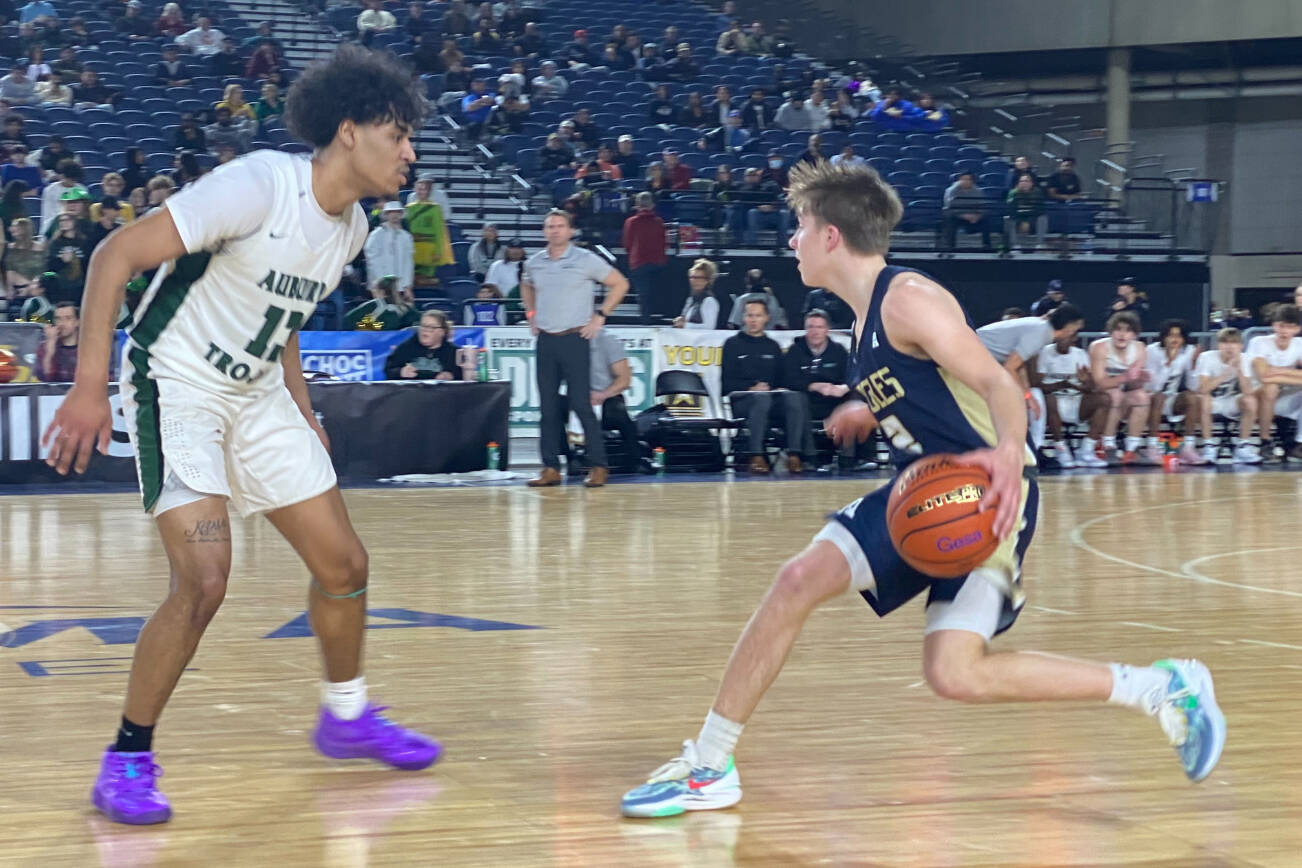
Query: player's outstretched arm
922, 319
83, 422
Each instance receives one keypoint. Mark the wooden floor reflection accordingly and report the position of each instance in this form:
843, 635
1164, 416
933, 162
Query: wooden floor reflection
639, 592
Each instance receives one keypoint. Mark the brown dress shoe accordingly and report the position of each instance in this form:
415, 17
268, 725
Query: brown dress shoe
550, 476
794, 464
597, 477
759, 464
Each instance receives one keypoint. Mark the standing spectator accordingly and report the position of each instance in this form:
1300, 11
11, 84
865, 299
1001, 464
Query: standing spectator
549, 84
1064, 184
755, 115
701, 310
815, 367
228, 131
429, 354
1021, 166
172, 22
389, 251
507, 273
113, 185
609, 377
226, 63
1052, 298
793, 115
204, 40
109, 218
16, 88
428, 214
645, 240
680, 175
484, 252
965, 207
56, 360
190, 136
558, 299
171, 71
476, 106
1129, 298
752, 371
69, 179
374, 19
17, 170
1026, 212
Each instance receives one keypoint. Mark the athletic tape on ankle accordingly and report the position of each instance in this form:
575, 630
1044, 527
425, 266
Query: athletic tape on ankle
327, 594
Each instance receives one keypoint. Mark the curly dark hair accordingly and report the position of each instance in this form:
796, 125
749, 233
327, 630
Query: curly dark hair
356, 84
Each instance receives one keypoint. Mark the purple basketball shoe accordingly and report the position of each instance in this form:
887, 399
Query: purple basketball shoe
126, 790
373, 736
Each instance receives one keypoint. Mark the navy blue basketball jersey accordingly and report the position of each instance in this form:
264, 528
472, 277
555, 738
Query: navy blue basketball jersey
922, 408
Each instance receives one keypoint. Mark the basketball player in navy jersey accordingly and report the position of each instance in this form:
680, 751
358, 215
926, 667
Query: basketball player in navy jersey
920, 373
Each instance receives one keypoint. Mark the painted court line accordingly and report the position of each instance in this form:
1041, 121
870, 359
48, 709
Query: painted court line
1150, 626
1271, 644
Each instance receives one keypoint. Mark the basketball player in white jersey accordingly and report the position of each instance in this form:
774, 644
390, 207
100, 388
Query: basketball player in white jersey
216, 403
1170, 364
1061, 371
1273, 362
1118, 368
1225, 390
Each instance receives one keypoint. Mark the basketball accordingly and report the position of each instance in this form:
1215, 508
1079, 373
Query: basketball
8, 366
933, 519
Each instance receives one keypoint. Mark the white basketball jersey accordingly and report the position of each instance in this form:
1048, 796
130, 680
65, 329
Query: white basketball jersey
1264, 347
1168, 375
261, 254
1118, 362
1210, 365
1056, 367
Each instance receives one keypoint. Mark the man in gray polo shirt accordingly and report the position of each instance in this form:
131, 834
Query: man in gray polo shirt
558, 291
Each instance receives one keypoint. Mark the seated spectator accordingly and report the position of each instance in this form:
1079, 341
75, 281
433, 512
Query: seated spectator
848, 157
387, 310
513, 83
776, 170
91, 92
752, 378
109, 218
631, 49
549, 84
734, 137
694, 114
531, 43
1064, 184
662, 109
225, 153
630, 162
264, 61
680, 175
486, 39
734, 41
1021, 166
645, 239
67, 64
1061, 372
701, 310
930, 118
585, 130
171, 22
476, 106
227, 130
842, 114
794, 115
53, 91
68, 178
425, 55
756, 205
838, 313
487, 308
1026, 212
727, 17
761, 43
456, 84
16, 88
233, 101
266, 36
269, 104
757, 287
456, 22
1129, 298
390, 250
508, 118
74, 203
451, 52
506, 273
56, 359
813, 153
429, 354
37, 68
1271, 363
24, 258
75, 33
1118, 368
721, 105
816, 367
613, 58
135, 172
1225, 390
555, 154
226, 63
651, 65
1052, 298
819, 114
755, 115
894, 112
484, 252
374, 19
66, 254
683, 67
657, 181
139, 200
17, 170
602, 167
157, 191
609, 376
172, 71
578, 55
204, 40
965, 207
113, 185
12, 207
37, 10
511, 18
134, 26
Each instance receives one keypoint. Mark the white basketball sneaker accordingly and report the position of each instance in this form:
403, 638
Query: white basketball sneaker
1062, 452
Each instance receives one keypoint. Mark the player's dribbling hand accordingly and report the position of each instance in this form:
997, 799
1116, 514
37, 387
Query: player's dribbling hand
1004, 464
850, 422
82, 423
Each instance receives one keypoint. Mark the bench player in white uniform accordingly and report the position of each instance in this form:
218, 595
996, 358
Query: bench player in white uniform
1118, 368
217, 406
1225, 390
1273, 361
1170, 366
1061, 371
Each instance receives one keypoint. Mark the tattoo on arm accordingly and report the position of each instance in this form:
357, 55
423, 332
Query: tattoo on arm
209, 530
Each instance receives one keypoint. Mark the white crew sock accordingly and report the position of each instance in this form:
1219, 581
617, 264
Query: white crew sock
1109, 443
1139, 687
1087, 445
1133, 443
717, 740
345, 699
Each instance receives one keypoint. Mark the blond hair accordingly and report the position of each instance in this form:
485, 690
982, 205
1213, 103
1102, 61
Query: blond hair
854, 199
705, 268
1229, 335
443, 321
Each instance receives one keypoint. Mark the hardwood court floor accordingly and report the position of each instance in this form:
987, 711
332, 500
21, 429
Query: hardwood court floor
640, 591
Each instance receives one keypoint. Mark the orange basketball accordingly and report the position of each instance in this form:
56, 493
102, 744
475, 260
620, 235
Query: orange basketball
8, 366
933, 519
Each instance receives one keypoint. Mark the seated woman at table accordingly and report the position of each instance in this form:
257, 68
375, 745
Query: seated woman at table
386, 310
429, 354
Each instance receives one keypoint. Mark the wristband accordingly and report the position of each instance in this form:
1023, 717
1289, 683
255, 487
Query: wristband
1027, 396
528, 314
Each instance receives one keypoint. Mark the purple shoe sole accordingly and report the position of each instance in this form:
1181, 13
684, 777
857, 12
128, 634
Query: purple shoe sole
145, 818
336, 750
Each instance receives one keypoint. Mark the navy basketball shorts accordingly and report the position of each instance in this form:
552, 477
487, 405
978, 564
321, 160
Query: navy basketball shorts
986, 600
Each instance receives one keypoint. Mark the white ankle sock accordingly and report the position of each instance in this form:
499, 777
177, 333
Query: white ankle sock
1139, 687
1109, 443
717, 740
345, 699
1133, 443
